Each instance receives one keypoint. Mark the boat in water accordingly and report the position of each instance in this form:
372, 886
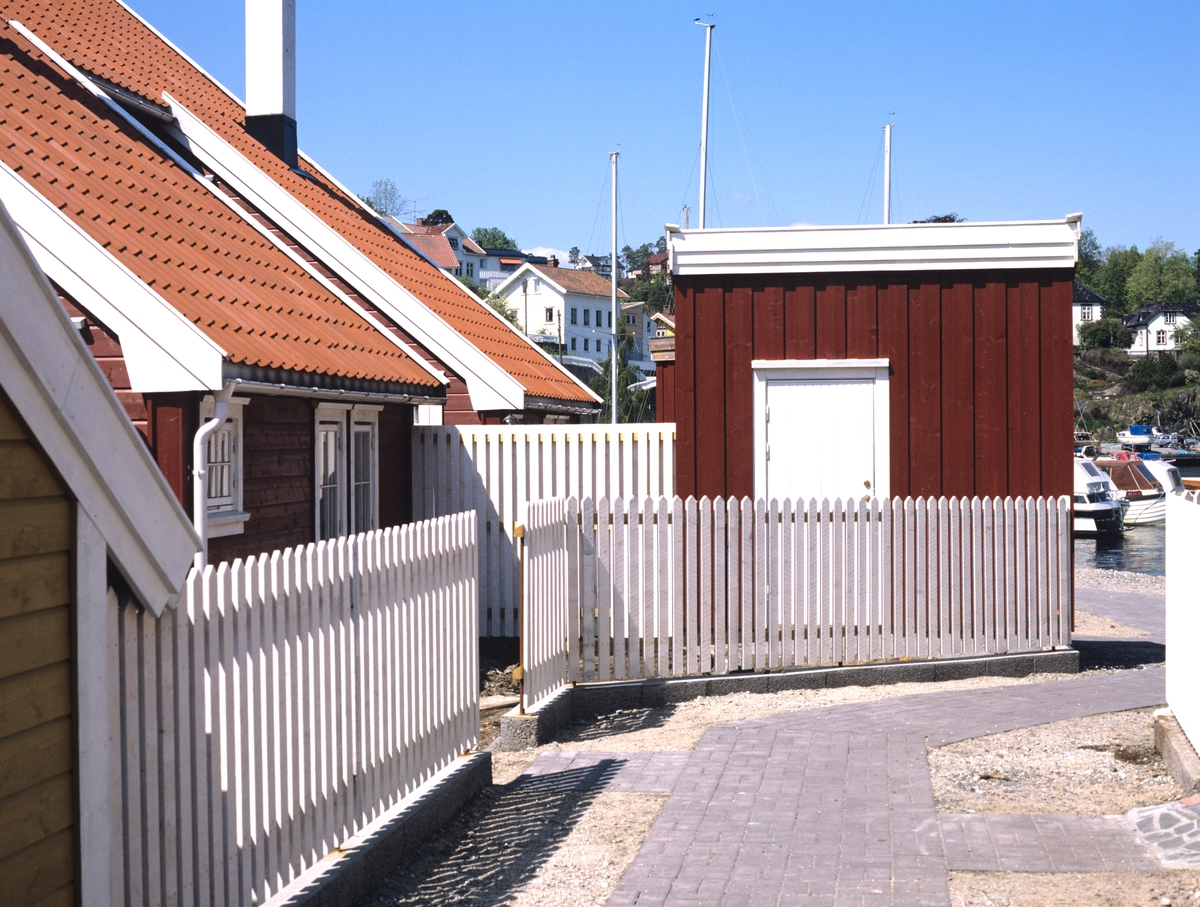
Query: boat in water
1168, 476
1136, 436
1137, 485
1097, 510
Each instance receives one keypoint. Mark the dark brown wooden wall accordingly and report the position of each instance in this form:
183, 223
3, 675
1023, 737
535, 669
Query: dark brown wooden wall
664, 392
395, 466
981, 373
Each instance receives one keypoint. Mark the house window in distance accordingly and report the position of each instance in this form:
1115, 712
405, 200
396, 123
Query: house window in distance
1085, 313
573, 314
453, 242
631, 319
1169, 317
224, 455
587, 317
572, 344
470, 269
585, 344
1160, 338
599, 317
549, 316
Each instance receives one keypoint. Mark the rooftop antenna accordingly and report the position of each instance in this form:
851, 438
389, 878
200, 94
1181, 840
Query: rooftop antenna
709, 26
887, 171
687, 216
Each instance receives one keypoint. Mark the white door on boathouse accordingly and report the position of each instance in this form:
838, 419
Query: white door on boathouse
821, 428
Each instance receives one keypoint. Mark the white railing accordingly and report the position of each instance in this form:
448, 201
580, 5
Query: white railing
286, 703
1183, 612
544, 628
659, 588
495, 471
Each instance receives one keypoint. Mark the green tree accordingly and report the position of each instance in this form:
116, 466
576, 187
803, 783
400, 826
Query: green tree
1091, 260
573, 255
652, 289
1117, 265
437, 217
1107, 333
1157, 372
493, 238
384, 198
632, 405
500, 304
1187, 337
951, 218
1164, 271
635, 259
477, 288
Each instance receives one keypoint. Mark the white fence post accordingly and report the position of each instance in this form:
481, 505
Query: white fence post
1183, 612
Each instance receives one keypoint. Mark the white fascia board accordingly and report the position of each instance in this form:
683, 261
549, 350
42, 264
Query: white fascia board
878, 247
490, 387
164, 352
64, 398
525, 268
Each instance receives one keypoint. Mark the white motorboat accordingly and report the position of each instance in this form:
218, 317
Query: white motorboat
1136, 436
1168, 476
1139, 488
1097, 510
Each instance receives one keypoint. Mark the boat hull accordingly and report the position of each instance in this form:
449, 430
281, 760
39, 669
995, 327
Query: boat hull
1146, 511
1099, 519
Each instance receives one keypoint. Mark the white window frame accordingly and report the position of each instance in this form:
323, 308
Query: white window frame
550, 315
345, 420
1085, 313
1160, 337
1169, 317
877, 370
228, 517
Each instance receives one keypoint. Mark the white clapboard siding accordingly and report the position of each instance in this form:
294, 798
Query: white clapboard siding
288, 701
658, 588
497, 470
1183, 612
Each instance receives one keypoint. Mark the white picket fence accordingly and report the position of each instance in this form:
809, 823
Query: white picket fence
667, 588
496, 470
1183, 612
285, 704
543, 651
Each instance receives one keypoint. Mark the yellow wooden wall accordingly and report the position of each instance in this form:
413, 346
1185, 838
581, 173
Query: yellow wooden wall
37, 740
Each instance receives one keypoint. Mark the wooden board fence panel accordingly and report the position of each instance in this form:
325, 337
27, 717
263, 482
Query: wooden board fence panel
713, 586
288, 701
497, 470
1183, 611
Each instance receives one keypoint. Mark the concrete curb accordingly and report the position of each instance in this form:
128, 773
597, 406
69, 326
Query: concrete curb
585, 700
1182, 761
354, 871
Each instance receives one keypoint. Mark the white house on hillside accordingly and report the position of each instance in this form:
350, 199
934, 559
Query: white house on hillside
1155, 325
1086, 306
560, 304
447, 245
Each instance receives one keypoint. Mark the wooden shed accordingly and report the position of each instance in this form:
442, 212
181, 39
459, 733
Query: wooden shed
83, 509
914, 359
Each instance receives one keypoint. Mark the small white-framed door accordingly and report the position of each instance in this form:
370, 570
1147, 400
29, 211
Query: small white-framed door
821, 429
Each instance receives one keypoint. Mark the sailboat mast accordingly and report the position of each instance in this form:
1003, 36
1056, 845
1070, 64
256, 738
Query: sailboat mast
704, 119
616, 319
887, 173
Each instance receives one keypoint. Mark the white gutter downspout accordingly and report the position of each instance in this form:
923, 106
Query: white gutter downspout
200, 469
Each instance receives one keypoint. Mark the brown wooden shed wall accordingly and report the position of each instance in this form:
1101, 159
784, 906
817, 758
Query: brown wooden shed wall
38, 831
981, 372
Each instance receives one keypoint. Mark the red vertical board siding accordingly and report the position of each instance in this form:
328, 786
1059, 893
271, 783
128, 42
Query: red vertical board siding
862, 337
958, 390
685, 386
395, 465
991, 387
664, 392
711, 384
892, 307
1024, 369
1057, 403
831, 321
741, 334
768, 320
799, 320
925, 388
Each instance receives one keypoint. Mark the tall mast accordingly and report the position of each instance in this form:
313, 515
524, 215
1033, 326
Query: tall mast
887, 173
709, 26
616, 320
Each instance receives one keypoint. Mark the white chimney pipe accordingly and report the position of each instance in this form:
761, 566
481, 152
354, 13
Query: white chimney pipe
271, 75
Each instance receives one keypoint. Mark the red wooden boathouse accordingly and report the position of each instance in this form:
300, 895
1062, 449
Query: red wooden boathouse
915, 359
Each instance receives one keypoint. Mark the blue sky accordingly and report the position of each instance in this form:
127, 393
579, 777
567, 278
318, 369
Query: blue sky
505, 113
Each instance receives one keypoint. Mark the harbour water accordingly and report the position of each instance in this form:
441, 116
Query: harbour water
1142, 549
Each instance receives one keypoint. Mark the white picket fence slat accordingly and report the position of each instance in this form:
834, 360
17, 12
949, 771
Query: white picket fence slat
658, 588
286, 703
1183, 612
497, 470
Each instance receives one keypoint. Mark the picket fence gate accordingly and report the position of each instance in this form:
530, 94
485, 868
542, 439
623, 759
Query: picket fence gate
287, 702
497, 470
669, 588
1183, 611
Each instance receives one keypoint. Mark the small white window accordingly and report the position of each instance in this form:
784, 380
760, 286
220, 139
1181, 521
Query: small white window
574, 313
587, 317
1085, 313
224, 454
549, 316
470, 269
458, 272
1170, 317
453, 242
347, 469
572, 343
1160, 338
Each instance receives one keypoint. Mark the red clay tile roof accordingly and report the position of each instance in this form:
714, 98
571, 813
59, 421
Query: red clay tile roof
107, 40
587, 283
473, 247
436, 247
171, 231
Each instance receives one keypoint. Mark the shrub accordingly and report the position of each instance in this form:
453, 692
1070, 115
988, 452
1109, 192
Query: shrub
1107, 333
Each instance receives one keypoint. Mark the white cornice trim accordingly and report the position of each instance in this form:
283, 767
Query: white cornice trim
490, 387
163, 350
1041, 244
65, 400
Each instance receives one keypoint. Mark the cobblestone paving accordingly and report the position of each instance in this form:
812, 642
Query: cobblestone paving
1172, 831
1043, 843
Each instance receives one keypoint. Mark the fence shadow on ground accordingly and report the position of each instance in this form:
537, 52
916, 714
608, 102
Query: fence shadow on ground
1118, 654
499, 842
622, 721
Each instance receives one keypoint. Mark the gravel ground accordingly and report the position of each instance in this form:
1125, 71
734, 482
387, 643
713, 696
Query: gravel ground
518, 844
1099, 765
